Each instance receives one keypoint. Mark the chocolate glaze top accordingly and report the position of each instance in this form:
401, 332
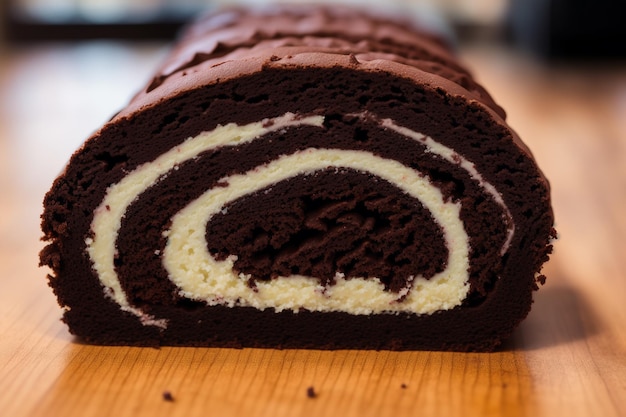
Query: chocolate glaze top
340, 21
251, 28
240, 34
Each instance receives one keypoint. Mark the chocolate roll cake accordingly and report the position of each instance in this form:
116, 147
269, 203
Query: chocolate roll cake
301, 177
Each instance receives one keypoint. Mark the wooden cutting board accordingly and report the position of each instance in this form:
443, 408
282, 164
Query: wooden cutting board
568, 358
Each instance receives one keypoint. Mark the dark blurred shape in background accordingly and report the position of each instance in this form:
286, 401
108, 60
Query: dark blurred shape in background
569, 29
553, 29
41, 20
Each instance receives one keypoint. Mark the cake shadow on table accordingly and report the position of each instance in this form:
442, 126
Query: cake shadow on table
301, 177
560, 316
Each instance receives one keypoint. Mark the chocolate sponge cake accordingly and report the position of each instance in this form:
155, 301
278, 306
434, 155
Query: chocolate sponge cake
301, 177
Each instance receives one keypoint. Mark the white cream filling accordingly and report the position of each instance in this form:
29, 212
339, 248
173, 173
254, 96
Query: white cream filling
199, 276
358, 296
108, 216
455, 158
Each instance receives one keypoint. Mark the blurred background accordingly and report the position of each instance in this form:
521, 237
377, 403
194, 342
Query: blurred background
550, 28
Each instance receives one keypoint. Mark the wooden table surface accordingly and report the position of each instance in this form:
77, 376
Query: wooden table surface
568, 358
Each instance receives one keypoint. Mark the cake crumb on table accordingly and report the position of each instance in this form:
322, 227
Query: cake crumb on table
310, 392
167, 396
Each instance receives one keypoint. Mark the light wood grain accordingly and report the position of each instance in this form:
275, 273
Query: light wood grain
568, 358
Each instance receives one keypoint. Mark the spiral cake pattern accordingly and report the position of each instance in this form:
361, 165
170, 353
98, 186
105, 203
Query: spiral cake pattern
305, 186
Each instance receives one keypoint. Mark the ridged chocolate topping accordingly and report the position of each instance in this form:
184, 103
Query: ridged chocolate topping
237, 34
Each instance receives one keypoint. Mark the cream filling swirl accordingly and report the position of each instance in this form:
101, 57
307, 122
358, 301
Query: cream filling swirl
199, 276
